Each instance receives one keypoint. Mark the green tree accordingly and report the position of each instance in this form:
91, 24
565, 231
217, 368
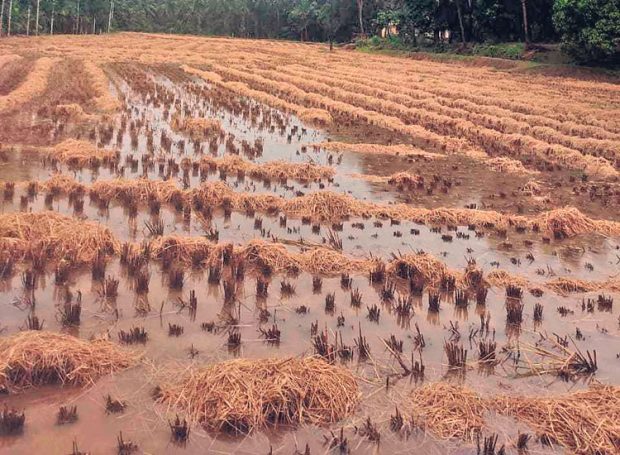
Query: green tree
589, 29
302, 16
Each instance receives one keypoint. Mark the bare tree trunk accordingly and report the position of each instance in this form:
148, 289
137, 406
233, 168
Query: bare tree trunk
525, 26
28, 22
110, 16
52, 20
2, 18
8, 26
37, 21
460, 15
94, 26
77, 19
360, 12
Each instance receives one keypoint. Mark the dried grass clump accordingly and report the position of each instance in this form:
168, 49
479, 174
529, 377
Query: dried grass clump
197, 128
405, 179
139, 190
103, 99
319, 117
71, 111
325, 206
34, 85
61, 184
33, 358
241, 395
8, 58
563, 285
271, 255
448, 411
184, 250
502, 279
401, 149
277, 170
60, 236
423, 265
569, 221
507, 166
566, 222
75, 152
587, 422
325, 261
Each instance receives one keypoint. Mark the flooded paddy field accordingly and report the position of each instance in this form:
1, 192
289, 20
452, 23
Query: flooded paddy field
232, 246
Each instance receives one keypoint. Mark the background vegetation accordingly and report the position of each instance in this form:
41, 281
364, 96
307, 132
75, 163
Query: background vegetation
588, 29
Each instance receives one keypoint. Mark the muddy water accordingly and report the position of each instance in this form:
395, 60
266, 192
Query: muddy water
587, 257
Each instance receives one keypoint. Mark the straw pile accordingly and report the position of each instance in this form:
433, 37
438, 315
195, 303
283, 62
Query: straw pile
103, 100
330, 206
325, 206
587, 422
59, 236
400, 149
8, 58
507, 166
34, 85
241, 395
71, 111
79, 153
448, 411
274, 256
197, 128
568, 222
502, 279
277, 170
185, 250
399, 179
139, 190
60, 184
319, 117
431, 269
326, 261
34, 358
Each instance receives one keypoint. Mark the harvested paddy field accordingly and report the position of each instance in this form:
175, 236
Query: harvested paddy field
230, 246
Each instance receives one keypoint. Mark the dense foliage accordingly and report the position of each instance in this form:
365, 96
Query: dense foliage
588, 28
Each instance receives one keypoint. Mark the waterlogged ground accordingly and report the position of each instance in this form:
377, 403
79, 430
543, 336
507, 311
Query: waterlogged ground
152, 94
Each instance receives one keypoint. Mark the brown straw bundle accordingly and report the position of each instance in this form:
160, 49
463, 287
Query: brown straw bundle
75, 152
34, 358
587, 422
241, 395
60, 236
448, 410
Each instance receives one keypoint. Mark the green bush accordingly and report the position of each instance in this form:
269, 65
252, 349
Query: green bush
589, 29
512, 51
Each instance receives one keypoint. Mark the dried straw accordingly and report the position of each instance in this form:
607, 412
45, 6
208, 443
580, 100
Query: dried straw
103, 99
421, 264
198, 128
400, 149
277, 170
448, 411
34, 85
75, 152
587, 422
330, 206
60, 236
319, 117
34, 358
241, 395
508, 165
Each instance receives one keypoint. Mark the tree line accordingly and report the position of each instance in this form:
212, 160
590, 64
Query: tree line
589, 29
